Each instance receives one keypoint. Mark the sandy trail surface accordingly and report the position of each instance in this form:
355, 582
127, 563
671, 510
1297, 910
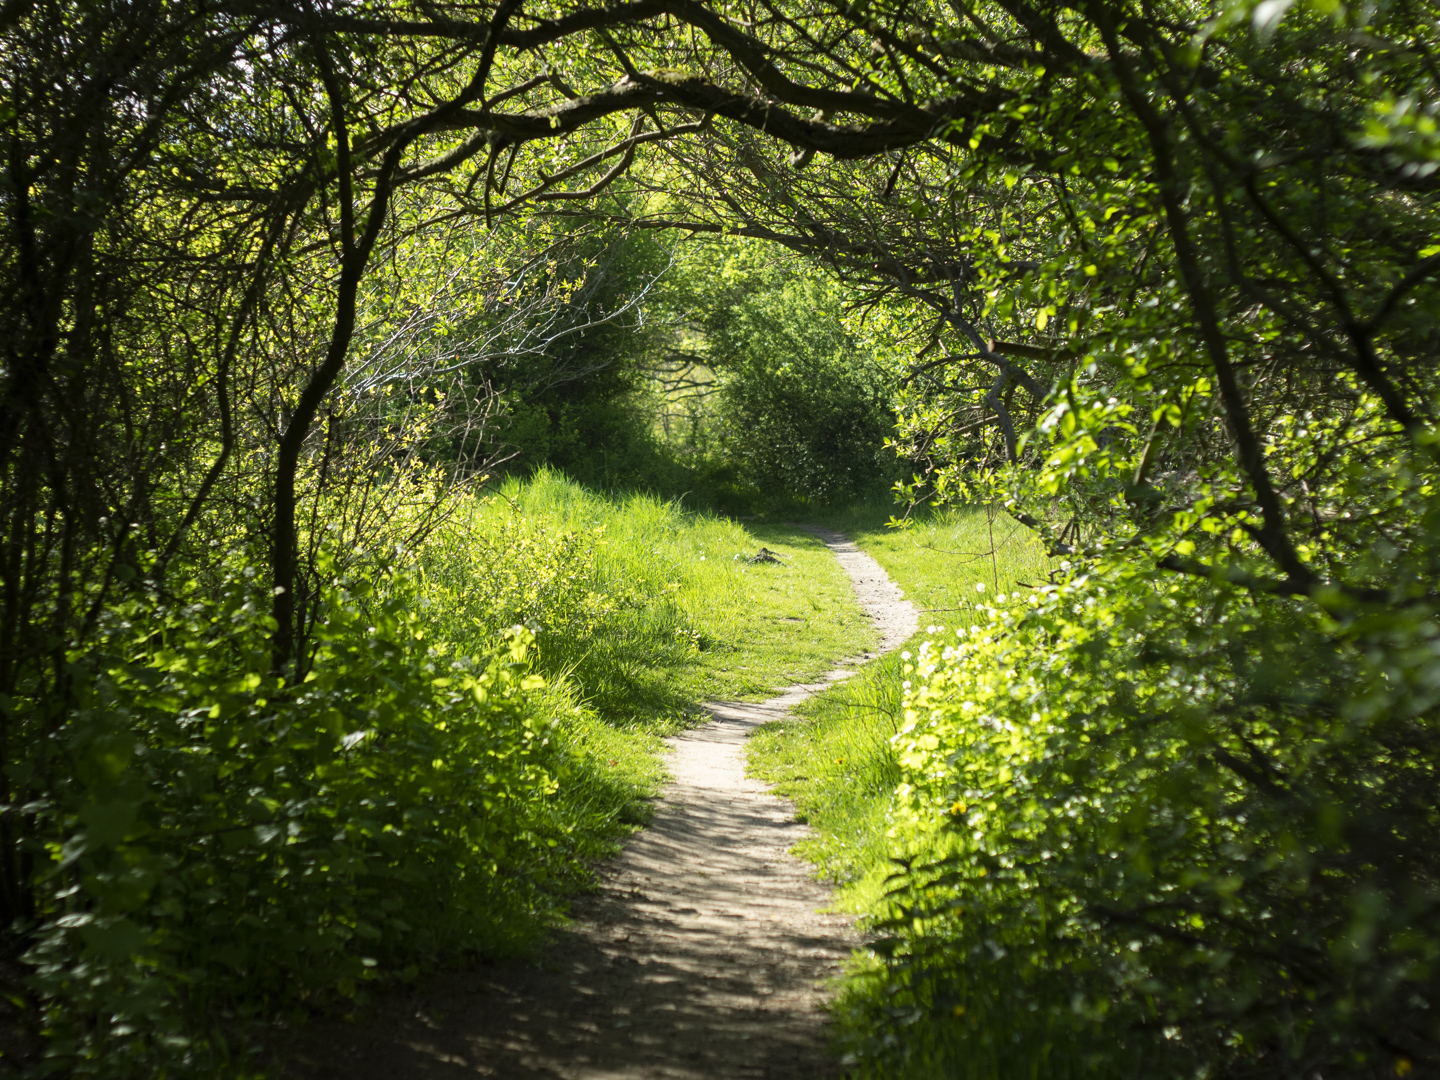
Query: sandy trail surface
703, 954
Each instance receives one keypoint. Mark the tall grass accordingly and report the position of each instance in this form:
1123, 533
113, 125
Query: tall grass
648, 606
641, 610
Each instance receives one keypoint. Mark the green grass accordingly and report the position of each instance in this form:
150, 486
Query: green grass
941, 558
652, 609
834, 760
642, 610
697, 621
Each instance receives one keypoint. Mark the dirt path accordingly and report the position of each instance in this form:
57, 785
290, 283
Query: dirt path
702, 956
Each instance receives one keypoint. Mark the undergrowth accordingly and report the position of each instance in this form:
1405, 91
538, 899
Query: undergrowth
1125, 823
640, 610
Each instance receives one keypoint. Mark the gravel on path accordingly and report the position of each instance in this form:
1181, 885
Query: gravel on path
703, 955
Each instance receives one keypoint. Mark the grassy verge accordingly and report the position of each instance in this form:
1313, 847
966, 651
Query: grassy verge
835, 759
641, 610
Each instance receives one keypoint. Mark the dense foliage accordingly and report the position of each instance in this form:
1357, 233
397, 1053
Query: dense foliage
569, 378
1169, 274
1182, 830
222, 850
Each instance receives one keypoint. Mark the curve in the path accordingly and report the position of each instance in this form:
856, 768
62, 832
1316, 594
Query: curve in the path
703, 955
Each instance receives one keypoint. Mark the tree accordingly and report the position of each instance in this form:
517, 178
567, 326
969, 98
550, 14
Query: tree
195, 198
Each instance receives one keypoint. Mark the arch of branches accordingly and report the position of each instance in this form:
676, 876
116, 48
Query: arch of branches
1228, 214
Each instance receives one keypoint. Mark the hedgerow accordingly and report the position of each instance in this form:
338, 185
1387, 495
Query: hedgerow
1158, 826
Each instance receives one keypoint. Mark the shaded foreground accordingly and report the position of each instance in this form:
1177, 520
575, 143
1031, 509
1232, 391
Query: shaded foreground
701, 955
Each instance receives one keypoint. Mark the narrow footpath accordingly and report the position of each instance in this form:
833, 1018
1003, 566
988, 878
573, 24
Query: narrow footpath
702, 956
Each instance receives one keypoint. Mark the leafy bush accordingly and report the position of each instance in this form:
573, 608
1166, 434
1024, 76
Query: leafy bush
228, 847
1162, 827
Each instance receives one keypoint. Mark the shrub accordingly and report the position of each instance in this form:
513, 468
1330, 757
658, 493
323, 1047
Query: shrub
1162, 827
228, 846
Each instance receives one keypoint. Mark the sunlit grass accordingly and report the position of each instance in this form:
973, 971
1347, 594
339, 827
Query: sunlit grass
647, 610
744, 628
835, 759
948, 561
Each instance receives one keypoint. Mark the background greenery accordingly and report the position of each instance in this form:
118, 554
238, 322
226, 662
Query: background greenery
740, 383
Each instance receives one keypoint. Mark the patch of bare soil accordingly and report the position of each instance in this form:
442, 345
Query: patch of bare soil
703, 954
